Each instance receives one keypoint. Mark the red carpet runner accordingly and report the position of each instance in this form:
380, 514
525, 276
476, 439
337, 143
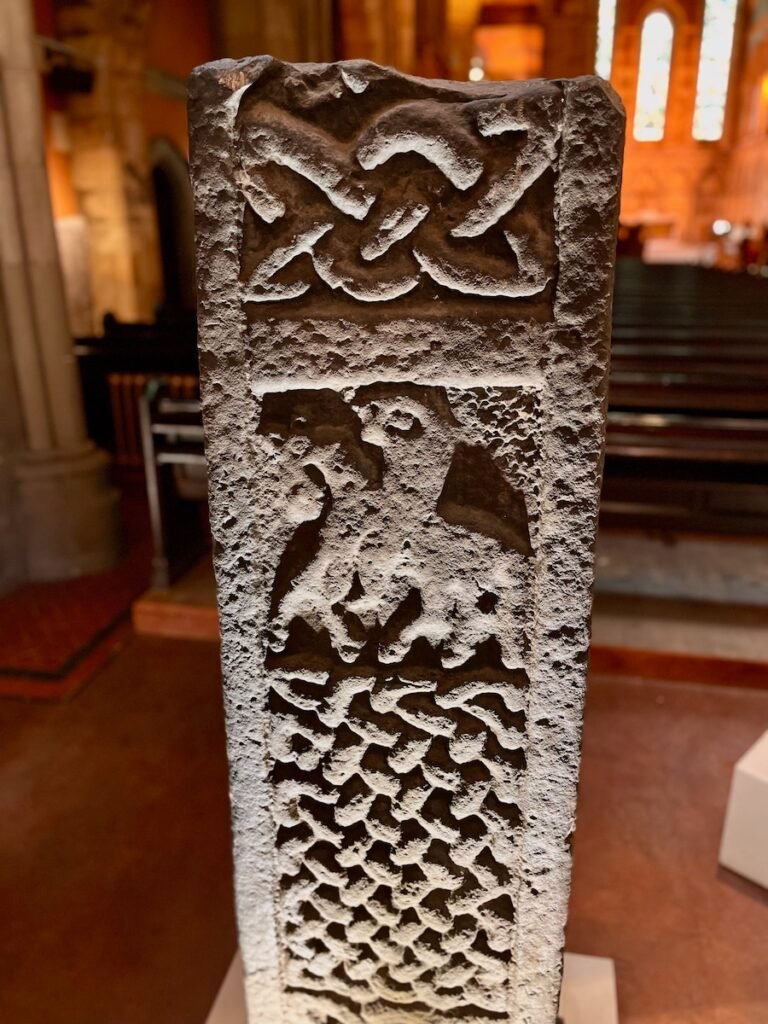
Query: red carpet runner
53, 636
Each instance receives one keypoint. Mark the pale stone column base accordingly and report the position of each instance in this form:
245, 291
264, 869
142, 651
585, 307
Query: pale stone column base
588, 995
68, 513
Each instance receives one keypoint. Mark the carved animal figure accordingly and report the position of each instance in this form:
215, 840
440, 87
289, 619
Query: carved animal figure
418, 536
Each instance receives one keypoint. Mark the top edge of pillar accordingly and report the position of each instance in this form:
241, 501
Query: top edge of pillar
358, 193
231, 75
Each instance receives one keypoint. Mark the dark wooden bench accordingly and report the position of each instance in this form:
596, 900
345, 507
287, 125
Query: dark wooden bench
116, 368
687, 443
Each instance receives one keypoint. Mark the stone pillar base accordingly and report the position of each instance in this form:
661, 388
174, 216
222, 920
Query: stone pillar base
68, 513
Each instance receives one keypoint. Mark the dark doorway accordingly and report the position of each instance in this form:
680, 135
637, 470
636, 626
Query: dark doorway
173, 203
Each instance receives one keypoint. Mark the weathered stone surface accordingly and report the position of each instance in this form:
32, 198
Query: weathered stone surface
404, 297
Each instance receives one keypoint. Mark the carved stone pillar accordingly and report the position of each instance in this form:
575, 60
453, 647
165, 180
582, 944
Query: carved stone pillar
405, 295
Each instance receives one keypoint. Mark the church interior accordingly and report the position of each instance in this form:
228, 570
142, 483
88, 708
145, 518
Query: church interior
115, 855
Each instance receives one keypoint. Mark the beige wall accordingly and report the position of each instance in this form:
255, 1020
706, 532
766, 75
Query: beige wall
109, 159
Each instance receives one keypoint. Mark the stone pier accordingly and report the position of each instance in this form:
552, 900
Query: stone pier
405, 294
58, 510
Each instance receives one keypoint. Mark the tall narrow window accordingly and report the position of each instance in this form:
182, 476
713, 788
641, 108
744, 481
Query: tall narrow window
714, 69
606, 26
653, 77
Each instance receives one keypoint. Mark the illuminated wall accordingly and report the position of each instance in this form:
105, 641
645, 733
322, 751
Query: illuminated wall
748, 180
511, 51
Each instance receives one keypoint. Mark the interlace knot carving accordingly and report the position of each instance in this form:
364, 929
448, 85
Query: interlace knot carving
317, 207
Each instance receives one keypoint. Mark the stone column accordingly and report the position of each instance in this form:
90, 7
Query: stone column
462, 18
379, 30
66, 510
570, 37
405, 294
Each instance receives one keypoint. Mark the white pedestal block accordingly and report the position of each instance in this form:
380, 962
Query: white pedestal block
744, 847
588, 996
589, 990
229, 1007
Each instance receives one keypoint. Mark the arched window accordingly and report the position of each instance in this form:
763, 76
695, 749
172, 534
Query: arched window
653, 77
606, 26
714, 69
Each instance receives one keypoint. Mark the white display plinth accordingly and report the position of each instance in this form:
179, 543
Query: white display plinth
744, 847
589, 993
229, 1007
589, 990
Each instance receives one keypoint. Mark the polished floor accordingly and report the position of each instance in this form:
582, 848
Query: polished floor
690, 939
115, 871
115, 867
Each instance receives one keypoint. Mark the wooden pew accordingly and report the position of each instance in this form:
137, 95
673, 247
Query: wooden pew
687, 443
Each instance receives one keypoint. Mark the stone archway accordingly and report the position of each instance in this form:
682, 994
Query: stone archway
175, 216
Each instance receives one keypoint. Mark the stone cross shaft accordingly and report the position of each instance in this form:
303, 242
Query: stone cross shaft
405, 295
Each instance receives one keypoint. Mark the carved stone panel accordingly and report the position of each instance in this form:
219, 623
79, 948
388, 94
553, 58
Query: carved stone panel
405, 296
425, 194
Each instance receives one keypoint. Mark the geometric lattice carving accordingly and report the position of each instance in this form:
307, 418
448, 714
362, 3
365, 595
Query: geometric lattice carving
397, 859
398, 692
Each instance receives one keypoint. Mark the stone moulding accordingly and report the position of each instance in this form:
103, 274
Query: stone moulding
404, 296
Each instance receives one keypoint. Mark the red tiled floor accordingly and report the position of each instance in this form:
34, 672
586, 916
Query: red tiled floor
115, 865
690, 939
